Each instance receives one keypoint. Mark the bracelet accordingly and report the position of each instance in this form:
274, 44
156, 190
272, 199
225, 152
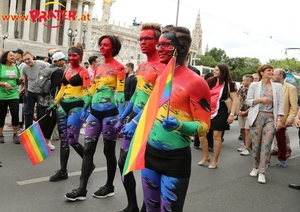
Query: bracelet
134, 121
5, 84
179, 126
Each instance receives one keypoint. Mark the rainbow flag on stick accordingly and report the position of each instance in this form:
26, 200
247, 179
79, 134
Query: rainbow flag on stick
161, 94
35, 144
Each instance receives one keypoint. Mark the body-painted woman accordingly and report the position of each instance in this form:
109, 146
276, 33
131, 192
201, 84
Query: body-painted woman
109, 79
147, 74
72, 98
168, 155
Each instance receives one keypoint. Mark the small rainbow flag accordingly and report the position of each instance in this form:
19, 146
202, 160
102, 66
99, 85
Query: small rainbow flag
135, 158
168, 87
52, 50
35, 144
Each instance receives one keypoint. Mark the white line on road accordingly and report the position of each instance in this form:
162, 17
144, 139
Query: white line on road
43, 179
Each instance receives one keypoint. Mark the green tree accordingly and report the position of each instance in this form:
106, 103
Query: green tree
218, 54
206, 60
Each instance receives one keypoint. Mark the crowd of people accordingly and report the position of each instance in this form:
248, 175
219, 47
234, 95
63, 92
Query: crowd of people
109, 98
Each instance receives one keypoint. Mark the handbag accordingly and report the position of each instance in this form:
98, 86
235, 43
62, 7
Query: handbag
228, 103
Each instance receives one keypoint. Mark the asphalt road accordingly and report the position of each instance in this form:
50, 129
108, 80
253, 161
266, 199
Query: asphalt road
229, 188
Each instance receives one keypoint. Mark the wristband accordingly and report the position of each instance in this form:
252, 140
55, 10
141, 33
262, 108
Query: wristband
179, 126
231, 114
134, 121
5, 84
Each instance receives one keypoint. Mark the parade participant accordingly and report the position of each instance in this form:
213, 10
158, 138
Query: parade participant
9, 95
165, 178
73, 99
147, 75
266, 100
109, 79
48, 123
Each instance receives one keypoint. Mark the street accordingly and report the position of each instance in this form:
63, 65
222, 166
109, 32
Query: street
229, 188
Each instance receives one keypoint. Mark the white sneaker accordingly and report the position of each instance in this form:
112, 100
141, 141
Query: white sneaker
254, 172
242, 148
245, 152
261, 178
51, 146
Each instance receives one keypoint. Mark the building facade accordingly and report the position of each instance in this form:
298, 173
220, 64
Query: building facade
37, 25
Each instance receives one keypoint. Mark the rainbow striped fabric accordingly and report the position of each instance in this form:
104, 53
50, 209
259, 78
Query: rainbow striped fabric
168, 87
35, 144
135, 158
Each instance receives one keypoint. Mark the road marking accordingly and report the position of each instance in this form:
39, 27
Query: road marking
43, 179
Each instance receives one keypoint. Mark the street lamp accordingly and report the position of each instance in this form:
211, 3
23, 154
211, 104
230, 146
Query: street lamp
83, 38
72, 34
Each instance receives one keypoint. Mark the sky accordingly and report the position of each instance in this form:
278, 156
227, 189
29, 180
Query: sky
260, 29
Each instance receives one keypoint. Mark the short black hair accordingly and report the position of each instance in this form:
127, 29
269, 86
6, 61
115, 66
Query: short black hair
86, 63
3, 58
92, 59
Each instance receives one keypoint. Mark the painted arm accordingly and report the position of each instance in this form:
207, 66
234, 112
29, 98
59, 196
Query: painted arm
120, 89
86, 84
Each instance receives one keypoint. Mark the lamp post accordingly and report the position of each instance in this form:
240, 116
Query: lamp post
72, 34
83, 38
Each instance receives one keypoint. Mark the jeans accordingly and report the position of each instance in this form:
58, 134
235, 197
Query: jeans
29, 111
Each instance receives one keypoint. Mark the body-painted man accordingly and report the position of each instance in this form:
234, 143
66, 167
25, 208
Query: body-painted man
109, 79
147, 74
168, 155
72, 98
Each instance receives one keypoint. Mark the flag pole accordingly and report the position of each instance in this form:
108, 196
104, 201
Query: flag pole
173, 70
34, 123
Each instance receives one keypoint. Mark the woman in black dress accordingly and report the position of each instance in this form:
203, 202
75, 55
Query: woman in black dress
219, 85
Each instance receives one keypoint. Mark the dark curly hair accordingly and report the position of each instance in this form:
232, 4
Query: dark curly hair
3, 58
115, 42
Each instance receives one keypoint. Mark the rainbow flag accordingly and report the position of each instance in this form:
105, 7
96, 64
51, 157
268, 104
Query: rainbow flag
135, 158
35, 144
52, 50
168, 87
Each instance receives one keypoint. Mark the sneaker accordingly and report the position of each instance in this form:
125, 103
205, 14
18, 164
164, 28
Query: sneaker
59, 175
16, 139
261, 178
282, 164
104, 192
2, 139
76, 194
254, 172
51, 146
245, 152
242, 148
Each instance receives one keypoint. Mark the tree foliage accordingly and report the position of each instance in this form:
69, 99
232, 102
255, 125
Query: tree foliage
240, 66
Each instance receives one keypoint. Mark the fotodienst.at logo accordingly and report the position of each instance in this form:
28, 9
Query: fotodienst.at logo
43, 16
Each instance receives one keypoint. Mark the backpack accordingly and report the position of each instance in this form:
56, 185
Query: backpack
43, 81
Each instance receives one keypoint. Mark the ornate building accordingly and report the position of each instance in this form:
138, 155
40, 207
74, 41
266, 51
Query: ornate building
36, 25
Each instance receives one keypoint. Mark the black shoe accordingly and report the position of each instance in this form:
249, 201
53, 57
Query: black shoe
295, 186
196, 147
240, 137
0, 164
76, 194
104, 192
59, 175
210, 149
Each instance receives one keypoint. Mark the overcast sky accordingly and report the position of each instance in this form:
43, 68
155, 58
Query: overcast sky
257, 28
